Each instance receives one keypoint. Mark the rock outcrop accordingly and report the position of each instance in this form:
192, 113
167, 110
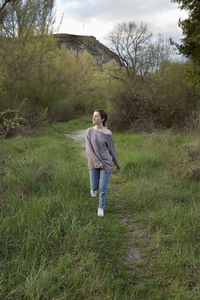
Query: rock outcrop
78, 43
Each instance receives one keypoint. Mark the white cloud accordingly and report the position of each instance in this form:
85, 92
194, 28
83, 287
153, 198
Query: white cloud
98, 17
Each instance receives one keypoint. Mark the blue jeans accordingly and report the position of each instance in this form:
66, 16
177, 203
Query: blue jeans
99, 179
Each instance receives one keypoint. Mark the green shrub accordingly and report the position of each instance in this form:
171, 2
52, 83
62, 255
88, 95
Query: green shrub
10, 121
166, 100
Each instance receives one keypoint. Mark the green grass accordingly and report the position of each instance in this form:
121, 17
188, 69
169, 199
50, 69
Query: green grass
161, 192
74, 125
53, 246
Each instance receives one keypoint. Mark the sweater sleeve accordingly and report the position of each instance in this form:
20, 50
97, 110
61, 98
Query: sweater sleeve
112, 151
90, 149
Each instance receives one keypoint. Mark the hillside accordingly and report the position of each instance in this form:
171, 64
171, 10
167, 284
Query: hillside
100, 52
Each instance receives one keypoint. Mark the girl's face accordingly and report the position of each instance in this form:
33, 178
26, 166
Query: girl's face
97, 118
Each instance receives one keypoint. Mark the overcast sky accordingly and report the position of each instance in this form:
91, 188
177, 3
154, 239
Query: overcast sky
98, 17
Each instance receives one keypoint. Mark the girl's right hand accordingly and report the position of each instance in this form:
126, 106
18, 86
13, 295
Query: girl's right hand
100, 165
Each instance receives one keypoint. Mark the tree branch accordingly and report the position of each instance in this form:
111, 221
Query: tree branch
4, 4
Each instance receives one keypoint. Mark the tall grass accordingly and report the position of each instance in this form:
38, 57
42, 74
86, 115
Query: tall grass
53, 246
162, 193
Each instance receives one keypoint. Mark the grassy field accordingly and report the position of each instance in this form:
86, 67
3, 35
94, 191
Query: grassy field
53, 246
162, 193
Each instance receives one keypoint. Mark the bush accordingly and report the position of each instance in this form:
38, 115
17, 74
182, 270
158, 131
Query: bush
166, 100
10, 121
136, 108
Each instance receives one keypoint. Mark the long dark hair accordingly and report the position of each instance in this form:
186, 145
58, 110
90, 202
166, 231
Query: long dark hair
103, 115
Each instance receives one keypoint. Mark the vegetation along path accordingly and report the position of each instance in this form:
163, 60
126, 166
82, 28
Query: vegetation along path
135, 238
53, 245
155, 198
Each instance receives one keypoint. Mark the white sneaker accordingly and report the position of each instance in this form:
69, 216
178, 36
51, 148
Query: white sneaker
93, 193
100, 212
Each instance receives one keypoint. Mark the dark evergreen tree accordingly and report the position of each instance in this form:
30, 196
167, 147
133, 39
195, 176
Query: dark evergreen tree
190, 44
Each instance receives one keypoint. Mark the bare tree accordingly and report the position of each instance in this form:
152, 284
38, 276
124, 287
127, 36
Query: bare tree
3, 4
139, 54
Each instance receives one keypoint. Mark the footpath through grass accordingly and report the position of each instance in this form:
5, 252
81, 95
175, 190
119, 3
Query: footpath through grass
53, 246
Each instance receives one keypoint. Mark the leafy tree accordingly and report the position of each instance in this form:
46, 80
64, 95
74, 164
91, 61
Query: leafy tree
35, 74
78, 87
24, 42
175, 98
24, 18
190, 44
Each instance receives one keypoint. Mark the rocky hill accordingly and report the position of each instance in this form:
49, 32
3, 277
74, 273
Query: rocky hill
100, 52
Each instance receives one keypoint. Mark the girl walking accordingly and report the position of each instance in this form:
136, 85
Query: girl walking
101, 153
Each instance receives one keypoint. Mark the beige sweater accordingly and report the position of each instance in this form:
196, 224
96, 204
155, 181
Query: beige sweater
100, 149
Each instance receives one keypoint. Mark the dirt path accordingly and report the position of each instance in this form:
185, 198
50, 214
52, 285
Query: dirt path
136, 239
79, 137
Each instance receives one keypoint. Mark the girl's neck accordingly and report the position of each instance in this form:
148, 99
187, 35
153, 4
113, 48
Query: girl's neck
99, 126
